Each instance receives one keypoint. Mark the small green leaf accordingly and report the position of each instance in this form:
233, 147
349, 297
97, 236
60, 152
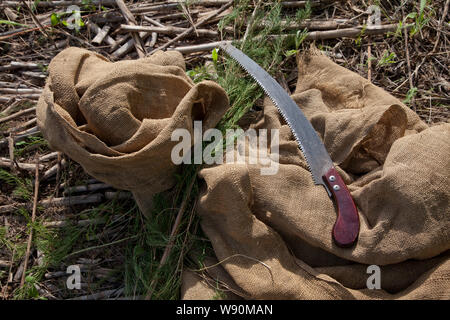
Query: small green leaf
423, 3
35, 5
215, 56
300, 37
290, 53
410, 95
12, 23
54, 18
387, 58
190, 73
412, 15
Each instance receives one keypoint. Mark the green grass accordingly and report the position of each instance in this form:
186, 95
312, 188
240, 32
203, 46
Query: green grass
410, 95
387, 58
242, 90
29, 144
143, 254
14, 24
22, 187
62, 246
422, 17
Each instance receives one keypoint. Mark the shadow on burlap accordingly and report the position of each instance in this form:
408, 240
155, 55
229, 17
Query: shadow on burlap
116, 119
272, 234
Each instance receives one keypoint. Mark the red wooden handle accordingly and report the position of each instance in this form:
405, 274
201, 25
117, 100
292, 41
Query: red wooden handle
346, 227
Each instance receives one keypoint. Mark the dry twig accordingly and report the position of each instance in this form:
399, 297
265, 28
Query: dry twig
197, 25
17, 114
173, 233
139, 45
33, 218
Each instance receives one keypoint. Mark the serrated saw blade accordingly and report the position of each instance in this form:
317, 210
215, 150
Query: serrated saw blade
316, 155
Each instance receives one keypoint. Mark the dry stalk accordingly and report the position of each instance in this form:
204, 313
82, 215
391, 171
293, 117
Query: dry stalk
173, 234
33, 218
197, 25
139, 45
17, 114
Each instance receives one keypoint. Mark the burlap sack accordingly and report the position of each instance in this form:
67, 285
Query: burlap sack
116, 119
272, 233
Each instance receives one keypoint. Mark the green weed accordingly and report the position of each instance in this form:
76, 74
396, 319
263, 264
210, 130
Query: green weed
15, 24
387, 58
22, 187
410, 95
361, 34
421, 18
29, 144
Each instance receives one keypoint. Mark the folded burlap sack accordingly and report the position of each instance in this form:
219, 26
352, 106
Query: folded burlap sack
116, 119
272, 234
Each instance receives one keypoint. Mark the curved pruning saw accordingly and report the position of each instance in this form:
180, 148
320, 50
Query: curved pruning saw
346, 227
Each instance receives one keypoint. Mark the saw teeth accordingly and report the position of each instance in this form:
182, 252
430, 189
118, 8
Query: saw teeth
283, 115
